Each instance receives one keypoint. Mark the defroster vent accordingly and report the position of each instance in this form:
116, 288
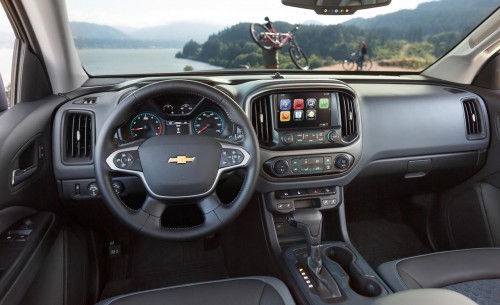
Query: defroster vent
473, 119
348, 116
78, 137
261, 119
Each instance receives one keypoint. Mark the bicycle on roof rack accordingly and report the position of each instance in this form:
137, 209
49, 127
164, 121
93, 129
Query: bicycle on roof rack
266, 37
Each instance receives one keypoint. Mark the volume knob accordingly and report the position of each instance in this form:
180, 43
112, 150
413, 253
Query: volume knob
288, 139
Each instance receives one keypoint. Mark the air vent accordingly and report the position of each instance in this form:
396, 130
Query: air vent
261, 119
454, 90
87, 101
348, 116
78, 137
473, 119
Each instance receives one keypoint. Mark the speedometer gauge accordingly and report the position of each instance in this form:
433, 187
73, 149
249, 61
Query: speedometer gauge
146, 125
209, 123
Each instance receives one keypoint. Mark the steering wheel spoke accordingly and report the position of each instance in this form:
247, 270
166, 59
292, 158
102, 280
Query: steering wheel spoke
209, 203
153, 206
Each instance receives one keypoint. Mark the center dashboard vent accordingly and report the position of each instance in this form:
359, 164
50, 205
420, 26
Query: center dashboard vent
348, 117
78, 137
473, 119
261, 114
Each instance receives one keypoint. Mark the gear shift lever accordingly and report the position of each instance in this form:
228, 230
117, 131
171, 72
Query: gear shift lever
309, 221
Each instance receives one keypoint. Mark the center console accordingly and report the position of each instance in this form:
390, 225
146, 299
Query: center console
310, 142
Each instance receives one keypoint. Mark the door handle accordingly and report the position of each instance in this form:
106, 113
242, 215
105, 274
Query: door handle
19, 175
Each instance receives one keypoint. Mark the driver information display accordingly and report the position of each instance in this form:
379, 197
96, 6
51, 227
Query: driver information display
302, 110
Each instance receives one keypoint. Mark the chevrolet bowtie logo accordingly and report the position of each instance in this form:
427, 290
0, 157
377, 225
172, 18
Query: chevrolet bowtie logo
181, 159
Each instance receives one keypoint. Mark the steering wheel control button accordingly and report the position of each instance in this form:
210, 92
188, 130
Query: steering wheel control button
309, 165
281, 167
118, 187
230, 157
128, 160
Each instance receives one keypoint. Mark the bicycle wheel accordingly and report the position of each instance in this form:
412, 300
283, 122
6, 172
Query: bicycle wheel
257, 31
299, 58
367, 64
348, 64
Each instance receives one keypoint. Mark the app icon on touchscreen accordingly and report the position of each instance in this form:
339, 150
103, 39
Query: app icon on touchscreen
285, 116
324, 103
311, 103
285, 104
298, 115
311, 114
298, 104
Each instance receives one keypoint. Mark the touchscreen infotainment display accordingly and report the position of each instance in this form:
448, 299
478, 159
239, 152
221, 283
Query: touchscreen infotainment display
305, 109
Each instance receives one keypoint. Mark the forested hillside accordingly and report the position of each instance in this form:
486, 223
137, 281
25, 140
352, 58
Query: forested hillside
407, 38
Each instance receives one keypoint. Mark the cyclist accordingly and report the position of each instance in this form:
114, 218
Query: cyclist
362, 52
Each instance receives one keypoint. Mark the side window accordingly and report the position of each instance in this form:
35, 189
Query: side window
7, 39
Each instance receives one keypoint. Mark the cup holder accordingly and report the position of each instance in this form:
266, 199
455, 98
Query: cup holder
358, 282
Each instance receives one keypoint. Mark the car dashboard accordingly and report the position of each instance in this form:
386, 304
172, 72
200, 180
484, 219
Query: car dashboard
312, 132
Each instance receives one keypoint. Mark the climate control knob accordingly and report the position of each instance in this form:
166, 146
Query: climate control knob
281, 167
342, 162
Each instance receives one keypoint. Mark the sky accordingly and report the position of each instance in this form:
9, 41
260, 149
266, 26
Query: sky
144, 13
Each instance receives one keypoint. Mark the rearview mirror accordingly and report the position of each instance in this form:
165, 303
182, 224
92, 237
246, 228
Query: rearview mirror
336, 7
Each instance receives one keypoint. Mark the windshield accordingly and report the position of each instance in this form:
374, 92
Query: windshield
123, 37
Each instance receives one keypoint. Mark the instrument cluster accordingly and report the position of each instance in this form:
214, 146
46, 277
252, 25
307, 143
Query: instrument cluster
179, 114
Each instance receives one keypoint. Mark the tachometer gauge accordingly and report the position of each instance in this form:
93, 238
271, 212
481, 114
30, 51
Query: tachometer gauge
146, 125
209, 123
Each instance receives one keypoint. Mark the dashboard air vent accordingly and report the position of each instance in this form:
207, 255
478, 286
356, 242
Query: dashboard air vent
87, 101
78, 137
473, 119
261, 119
348, 116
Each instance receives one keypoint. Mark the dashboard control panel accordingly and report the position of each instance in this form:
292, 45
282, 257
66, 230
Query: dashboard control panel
293, 166
312, 137
322, 198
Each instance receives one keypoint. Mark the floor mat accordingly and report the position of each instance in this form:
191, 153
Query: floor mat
158, 264
381, 240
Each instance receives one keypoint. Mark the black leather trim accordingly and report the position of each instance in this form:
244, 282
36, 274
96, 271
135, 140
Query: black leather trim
424, 296
242, 291
441, 269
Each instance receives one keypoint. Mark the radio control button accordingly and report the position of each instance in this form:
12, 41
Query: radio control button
288, 139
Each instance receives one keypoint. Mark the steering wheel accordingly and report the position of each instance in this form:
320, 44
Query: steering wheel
176, 168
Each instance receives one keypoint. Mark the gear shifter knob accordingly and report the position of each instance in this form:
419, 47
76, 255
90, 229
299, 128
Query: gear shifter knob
309, 221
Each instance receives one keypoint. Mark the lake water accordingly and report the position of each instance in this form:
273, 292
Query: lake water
136, 61
120, 61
